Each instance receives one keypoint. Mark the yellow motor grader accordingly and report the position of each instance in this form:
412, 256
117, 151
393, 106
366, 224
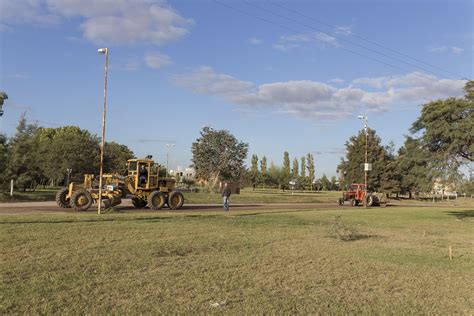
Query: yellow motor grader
142, 182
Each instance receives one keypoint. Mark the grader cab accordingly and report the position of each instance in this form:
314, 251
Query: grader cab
148, 188
142, 182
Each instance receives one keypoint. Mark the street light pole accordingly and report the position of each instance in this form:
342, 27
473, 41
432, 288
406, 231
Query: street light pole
102, 144
167, 157
366, 127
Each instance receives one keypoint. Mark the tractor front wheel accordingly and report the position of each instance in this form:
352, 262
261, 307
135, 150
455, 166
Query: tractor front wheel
175, 200
341, 201
61, 199
354, 202
156, 200
81, 200
138, 203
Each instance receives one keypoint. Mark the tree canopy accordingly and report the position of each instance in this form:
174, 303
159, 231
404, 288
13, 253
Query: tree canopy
218, 155
447, 127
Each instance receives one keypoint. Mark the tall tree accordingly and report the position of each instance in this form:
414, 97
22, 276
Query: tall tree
352, 167
22, 164
325, 183
294, 170
254, 174
67, 147
263, 165
286, 162
115, 157
334, 184
414, 167
3, 97
263, 170
3, 160
303, 167
285, 175
218, 155
311, 169
447, 127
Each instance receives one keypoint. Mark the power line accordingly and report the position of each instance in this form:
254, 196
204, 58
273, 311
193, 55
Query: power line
366, 40
330, 43
340, 38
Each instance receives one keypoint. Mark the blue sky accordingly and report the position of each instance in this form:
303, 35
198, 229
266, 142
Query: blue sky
176, 66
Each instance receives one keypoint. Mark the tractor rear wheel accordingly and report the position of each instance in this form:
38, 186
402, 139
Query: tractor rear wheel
156, 200
175, 200
81, 200
61, 199
138, 203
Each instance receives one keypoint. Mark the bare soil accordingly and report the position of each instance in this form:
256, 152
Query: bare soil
50, 207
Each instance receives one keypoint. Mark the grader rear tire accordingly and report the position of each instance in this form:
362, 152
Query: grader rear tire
81, 200
175, 200
156, 200
369, 200
61, 199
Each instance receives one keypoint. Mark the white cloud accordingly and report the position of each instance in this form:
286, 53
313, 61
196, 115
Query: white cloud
312, 99
18, 76
287, 42
255, 41
157, 60
336, 80
345, 29
105, 21
130, 63
456, 50
437, 49
443, 49
25, 11
206, 81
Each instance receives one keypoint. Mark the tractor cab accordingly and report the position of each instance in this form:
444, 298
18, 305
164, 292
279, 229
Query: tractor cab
144, 173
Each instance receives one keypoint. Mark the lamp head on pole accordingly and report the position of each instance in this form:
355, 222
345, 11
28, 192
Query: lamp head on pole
102, 50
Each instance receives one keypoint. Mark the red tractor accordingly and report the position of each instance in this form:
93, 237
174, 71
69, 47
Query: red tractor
356, 195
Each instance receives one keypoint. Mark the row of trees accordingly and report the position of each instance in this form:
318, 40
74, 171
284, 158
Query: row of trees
301, 172
441, 142
38, 156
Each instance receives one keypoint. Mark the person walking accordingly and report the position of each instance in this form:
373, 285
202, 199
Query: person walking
225, 196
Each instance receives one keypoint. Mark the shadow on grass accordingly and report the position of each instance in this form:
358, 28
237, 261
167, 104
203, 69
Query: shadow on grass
88, 220
461, 214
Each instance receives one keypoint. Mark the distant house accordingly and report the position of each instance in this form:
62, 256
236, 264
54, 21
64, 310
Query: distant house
443, 187
186, 173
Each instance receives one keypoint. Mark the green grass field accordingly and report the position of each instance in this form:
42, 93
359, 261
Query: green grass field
384, 260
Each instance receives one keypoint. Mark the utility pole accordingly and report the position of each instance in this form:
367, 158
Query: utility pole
106, 52
366, 164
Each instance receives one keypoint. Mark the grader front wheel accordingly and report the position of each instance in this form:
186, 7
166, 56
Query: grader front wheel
138, 203
81, 200
61, 199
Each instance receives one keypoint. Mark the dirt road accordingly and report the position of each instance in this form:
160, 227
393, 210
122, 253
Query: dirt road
23, 208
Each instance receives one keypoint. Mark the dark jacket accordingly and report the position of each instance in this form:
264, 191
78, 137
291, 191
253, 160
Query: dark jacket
226, 192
